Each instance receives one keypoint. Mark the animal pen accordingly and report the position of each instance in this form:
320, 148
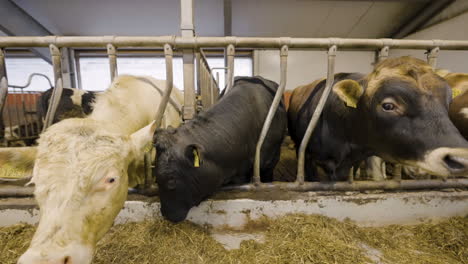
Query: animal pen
197, 74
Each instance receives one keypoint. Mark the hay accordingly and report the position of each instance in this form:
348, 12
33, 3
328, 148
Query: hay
10, 172
290, 239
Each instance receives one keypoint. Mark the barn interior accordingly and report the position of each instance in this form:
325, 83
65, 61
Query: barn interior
238, 225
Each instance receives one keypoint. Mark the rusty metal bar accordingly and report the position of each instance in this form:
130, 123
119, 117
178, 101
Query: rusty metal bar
112, 54
271, 112
230, 65
355, 186
57, 92
315, 117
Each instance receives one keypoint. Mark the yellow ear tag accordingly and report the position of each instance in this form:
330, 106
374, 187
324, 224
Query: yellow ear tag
455, 92
148, 147
196, 159
351, 103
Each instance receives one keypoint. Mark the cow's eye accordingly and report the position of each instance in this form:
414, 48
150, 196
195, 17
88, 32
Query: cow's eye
388, 107
110, 180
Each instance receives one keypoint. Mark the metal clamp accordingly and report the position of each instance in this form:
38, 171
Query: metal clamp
383, 53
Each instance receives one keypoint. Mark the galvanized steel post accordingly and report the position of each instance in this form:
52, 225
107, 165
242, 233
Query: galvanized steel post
432, 55
271, 112
230, 65
57, 92
315, 117
112, 54
3, 90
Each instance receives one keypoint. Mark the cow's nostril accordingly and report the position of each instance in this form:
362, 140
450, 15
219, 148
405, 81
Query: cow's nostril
66, 260
453, 164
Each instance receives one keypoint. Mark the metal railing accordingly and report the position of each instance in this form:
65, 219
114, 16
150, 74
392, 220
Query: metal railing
231, 43
207, 84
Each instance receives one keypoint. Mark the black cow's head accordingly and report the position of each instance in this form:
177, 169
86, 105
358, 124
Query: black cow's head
182, 172
402, 106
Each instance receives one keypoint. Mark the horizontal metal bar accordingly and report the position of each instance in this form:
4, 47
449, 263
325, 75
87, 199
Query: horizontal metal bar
238, 42
354, 186
15, 191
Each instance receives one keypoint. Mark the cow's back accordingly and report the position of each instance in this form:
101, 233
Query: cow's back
459, 113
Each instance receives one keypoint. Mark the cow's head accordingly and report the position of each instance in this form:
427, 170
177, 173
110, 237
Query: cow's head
403, 108
182, 173
81, 183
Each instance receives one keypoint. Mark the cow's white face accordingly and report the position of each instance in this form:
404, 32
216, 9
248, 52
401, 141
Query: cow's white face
81, 184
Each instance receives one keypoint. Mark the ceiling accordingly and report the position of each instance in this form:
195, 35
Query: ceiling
263, 18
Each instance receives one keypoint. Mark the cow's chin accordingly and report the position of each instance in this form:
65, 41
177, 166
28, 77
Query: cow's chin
72, 254
444, 162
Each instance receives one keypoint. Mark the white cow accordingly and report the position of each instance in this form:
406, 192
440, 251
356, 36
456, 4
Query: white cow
80, 171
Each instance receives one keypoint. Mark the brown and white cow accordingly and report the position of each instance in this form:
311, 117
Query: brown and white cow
399, 111
84, 166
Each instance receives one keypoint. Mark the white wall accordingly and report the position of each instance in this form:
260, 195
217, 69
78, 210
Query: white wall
453, 29
307, 66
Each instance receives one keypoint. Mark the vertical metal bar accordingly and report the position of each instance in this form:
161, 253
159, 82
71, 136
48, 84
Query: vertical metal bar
168, 53
315, 117
112, 54
230, 65
188, 30
78, 70
383, 53
432, 57
205, 89
397, 171
3, 90
271, 112
189, 88
211, 90
66, 73
57, 92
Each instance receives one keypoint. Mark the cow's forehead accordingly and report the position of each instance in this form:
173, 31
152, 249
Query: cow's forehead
84, 154
418, 74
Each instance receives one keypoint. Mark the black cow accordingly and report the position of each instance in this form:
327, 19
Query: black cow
218, 147
73, 103
398, 112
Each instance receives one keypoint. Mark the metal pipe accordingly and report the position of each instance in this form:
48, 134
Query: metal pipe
3, 83
354, 186
169, 84
239, 42
112, 54
315, 117
30, 79
432, 57
230, 65
14, 191
271, 112
57, 91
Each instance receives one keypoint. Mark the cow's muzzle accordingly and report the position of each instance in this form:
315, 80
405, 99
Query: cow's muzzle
77, 254
446, 162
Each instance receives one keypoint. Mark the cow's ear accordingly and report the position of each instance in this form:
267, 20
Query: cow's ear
193, 155
142, 139
349, 91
